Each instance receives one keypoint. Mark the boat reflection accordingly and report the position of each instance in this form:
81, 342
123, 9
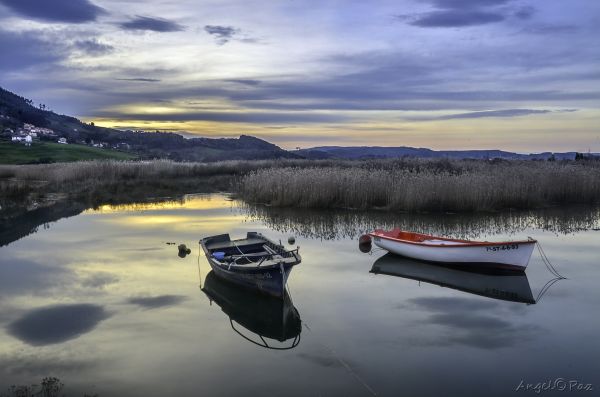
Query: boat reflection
267, 317
509, 286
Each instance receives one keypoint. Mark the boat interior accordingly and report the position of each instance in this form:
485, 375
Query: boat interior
419, 238
250, 250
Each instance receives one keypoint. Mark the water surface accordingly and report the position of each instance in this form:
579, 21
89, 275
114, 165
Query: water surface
101, 300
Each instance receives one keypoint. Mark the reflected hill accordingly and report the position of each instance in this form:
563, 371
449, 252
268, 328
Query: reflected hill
18, 221
22, 223
265, 316
340, 224
508, 286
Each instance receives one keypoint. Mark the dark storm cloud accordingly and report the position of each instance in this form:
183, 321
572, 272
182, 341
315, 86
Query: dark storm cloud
151, 24
155, 302
455, 18
482, 331
99, 280
222, 34
26, 49
524, 12
232, 117
93, 47
442, 304
250, 82
20, 363
462, 13
70, 11
142, 79
321, 360
473, 322
21, 276
494, 113
550, 29
462, 4
56, 324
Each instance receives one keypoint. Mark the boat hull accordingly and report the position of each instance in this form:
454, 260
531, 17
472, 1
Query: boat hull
269, 280
511, 255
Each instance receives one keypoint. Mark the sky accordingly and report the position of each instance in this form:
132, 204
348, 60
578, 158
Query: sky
444, 74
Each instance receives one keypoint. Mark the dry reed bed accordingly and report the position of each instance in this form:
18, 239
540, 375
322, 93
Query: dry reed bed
399, 184
106, 178
426, 185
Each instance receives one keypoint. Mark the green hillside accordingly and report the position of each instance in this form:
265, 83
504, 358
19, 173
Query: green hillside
46, 152
15, 111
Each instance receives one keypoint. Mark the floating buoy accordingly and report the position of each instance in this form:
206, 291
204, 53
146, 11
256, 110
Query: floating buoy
291, 240
183, 250
365, 247
364, 243
365, 238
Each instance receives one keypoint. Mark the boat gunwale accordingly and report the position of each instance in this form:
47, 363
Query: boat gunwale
465, 243
246, 268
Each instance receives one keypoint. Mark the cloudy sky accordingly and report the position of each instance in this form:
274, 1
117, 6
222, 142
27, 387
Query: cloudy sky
446, 74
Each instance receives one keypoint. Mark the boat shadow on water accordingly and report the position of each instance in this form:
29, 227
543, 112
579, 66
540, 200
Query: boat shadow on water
265, 316
492, 283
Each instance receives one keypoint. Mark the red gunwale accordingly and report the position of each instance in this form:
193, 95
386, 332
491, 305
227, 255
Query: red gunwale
419, 239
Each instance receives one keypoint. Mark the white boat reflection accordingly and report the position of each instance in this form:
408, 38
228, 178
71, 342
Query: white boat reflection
509, 286
265, 316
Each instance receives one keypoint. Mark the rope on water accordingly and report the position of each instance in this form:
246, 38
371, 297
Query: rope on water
198, 262
345, 365
546, 287
548, 264
373, 250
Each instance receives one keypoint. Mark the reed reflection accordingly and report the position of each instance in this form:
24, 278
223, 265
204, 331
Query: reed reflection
266, 317
337, 225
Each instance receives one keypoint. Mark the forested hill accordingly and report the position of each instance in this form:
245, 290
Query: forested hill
15, 111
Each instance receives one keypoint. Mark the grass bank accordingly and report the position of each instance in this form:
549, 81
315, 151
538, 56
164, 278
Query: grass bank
48, 152
411, 185
113, 182
414, 185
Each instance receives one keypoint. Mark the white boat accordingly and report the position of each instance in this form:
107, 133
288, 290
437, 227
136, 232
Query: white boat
504, 254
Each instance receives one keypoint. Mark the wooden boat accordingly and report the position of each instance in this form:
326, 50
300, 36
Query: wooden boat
507, 254
274, 322
254, 262
492, 283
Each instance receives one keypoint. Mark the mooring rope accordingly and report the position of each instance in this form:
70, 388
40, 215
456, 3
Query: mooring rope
344, 364
547, 262
373, 250
198, 262
334, 354
546, 287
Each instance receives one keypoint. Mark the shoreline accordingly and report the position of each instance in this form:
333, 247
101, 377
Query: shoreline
401, 186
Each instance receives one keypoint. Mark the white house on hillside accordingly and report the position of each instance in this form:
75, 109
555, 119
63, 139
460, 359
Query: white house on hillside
62, 140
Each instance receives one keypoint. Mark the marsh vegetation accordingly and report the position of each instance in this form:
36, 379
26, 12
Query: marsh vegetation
410, 185
414, 185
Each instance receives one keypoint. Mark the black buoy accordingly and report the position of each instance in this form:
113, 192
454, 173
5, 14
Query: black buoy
365, 247
365, 238
183, 251
364, 243
291, 240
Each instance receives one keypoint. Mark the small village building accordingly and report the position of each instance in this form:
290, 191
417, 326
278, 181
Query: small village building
62, 140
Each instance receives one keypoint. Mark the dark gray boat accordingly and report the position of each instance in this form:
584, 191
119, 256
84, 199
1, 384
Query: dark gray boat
254, 262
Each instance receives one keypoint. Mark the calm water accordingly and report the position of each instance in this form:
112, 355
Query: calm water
101, 301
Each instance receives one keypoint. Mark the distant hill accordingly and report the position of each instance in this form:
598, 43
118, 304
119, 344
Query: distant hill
376, 152
16, 110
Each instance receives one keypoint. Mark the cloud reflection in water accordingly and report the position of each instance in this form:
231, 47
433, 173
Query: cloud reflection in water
57, 324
